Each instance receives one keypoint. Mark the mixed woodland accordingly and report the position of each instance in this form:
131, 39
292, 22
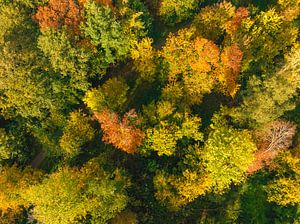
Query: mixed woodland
149, 111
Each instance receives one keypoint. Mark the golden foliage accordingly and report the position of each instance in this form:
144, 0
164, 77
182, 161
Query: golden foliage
192, 64
77, 133
211, 21
177, 191
143, 55
13, 182
165, 136
196, 65
284, 190
232, 25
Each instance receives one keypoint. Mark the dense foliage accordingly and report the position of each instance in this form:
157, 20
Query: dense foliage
149, 111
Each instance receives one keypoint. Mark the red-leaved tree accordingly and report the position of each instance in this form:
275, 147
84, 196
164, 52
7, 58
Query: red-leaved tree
231, 59
58, 13
232, 25
123, 134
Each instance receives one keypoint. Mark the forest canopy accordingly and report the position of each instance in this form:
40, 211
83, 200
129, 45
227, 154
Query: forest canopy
149, 111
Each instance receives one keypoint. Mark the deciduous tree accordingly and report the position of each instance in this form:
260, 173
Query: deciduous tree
71, 195
23, 92
14, 182
212, 20
192, 64
227, 154
143, 55
271, 140
231, 59
284, 189
264, 37
175, 11
112, 94
105, 32
123, 134
267, 100
57, 14
288, 9
5, 147
71, 62
196, 66
170, 133
77, 132
178, 190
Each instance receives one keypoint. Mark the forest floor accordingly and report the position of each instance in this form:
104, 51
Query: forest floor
38, 160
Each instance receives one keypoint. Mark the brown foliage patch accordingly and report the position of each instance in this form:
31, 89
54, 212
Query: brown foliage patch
275, 137
231, 59
232, 25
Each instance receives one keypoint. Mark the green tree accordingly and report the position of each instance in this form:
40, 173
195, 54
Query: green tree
14, 182
32, 4
77, 133
125, 216
264, 37
14, 145
175, 11
176, 191
22, 89
144, 16
211, 20
187, 183
267, 100
172, 132
105, 32
65, 58
254, 205
71, 195
5, 148
284, 189
29, 88
112, 94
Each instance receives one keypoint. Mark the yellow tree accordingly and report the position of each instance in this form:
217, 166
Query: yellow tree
165, 137
227, 154
77, 133
192, 64
112, 94
144, 55
72, 195
211, 20
189, 182
196, 65
263, 37
285, 188
14, 182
